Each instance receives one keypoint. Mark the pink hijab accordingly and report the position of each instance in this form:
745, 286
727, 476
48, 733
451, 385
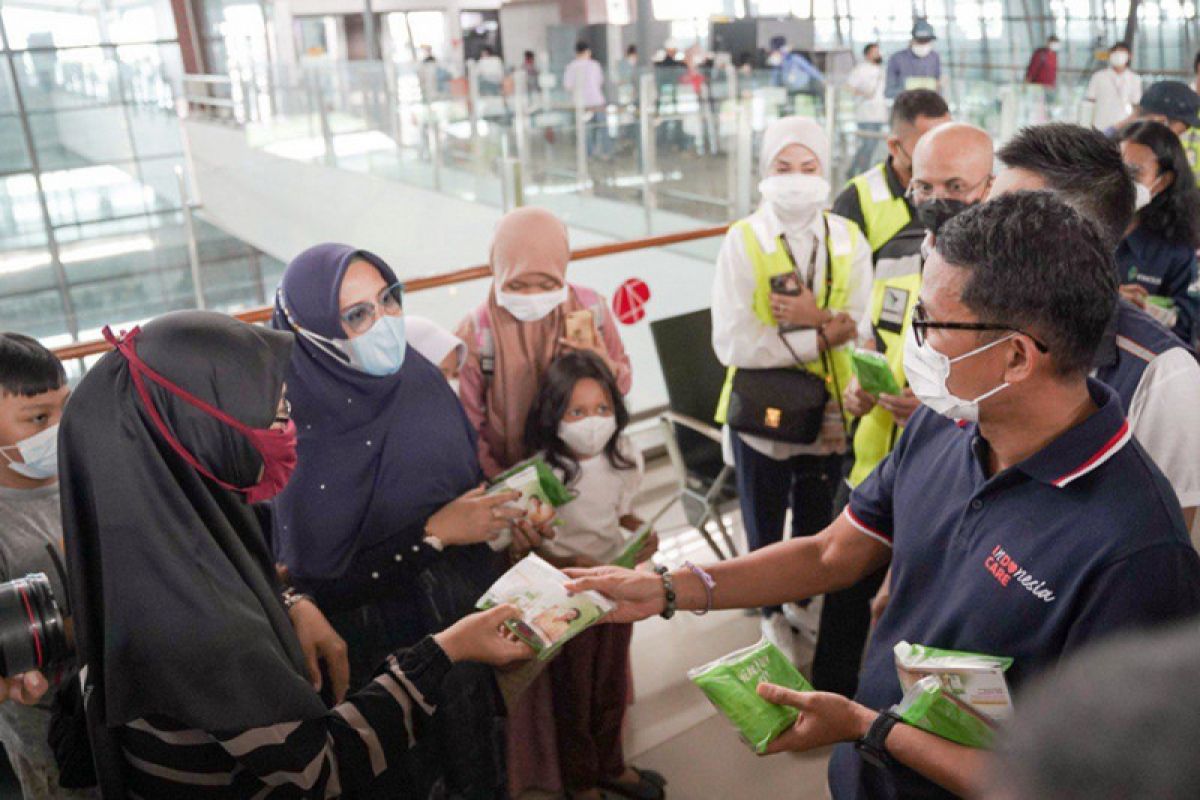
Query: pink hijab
526, 241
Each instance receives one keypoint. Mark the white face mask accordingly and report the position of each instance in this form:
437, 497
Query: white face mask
927, 371
1054, 46
922, 50
1119, 58
589, 436
795, 198
39, 455
453, 384
531, 307
1143, 196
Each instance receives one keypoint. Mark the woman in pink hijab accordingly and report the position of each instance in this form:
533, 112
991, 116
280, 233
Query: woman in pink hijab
522, 327
532, 315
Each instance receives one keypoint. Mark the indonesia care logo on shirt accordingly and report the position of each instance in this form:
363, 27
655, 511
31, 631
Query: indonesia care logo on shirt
1001, 566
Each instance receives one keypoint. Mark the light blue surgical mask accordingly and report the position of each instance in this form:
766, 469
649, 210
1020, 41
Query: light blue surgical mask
39, 455
380, 351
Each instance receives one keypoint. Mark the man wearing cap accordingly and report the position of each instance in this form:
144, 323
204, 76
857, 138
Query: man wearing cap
1114, 90
916, 67
1173, 103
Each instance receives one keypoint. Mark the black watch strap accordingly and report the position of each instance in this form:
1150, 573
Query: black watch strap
873, 747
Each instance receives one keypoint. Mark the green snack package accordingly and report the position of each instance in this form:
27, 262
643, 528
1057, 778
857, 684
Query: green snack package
628, 556
974, 679
928, 706
1162, 302
549, 616
873, 373
541, 493
730, 684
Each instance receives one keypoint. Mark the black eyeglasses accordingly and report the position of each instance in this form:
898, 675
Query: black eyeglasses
361, 316
921, 323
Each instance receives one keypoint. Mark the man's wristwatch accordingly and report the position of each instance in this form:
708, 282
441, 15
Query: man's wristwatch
291, 597
873, 747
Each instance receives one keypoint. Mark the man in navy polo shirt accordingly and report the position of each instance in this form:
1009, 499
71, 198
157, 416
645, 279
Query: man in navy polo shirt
1153, 371
1020, 516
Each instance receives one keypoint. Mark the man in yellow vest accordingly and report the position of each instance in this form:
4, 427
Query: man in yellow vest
875, 200
952, 170
791, 287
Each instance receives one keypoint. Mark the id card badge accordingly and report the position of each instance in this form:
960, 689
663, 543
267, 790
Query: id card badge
891, 312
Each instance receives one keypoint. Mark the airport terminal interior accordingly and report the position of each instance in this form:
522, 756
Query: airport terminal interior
159, 157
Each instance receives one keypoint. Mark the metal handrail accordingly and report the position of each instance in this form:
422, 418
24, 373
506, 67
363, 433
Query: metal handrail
263, 314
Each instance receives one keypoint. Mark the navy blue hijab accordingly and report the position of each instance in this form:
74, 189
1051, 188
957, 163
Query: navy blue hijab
378, 455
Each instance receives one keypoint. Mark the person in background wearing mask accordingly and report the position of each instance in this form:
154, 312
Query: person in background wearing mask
33, 392
876, 200
196, 683
918, 66
384, 522
1017, 459
1043, 65
490, 70
1156, 262
584, 76
512, 339
438, 345
1113, 91
870, 110
952, 171
789, 234
1154, 374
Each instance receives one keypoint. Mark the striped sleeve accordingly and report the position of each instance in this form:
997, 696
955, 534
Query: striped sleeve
344, 751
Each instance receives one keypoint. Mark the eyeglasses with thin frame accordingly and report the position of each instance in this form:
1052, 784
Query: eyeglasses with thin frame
954, 191
361, 316
921, 323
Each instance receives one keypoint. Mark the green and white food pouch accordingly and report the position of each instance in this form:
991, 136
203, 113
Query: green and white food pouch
541, 493
975, 679
874, 373
929, 706
550, 617
731, 684
628, 556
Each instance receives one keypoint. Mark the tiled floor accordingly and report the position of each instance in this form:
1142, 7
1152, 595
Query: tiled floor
671, 727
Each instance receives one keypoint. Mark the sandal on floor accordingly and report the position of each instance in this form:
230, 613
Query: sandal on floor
649, 786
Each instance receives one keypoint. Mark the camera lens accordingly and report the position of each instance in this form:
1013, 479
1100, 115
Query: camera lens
32, 635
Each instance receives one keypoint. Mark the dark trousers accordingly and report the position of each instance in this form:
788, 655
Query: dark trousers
591, 692
768, 488
845, 625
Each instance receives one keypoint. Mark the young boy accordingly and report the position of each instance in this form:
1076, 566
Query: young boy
33, 391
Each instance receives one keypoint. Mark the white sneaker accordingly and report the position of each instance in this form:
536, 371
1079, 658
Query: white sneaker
806, 617
794, 646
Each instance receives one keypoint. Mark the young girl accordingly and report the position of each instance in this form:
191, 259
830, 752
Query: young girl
576, 423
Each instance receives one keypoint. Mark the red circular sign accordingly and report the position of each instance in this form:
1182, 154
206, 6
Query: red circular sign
629, 303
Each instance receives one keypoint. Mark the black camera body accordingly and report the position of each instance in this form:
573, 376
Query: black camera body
32, 631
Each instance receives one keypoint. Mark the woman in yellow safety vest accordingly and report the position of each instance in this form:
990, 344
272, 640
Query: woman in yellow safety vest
790, 238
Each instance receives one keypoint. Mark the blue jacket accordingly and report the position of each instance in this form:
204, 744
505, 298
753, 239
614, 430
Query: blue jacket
1165, 270
905, 64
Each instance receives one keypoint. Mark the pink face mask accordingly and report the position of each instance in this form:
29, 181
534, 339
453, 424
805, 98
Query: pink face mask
277, 447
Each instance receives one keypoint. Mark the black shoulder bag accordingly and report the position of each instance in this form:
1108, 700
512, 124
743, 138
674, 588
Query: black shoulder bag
784, 404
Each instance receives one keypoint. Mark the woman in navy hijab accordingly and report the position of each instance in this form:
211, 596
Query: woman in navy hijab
384, 522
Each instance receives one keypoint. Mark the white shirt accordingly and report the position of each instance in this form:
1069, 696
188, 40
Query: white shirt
740, 339
1164, 416
867, 82
590, 523
1114, 95
588, 73
490, 68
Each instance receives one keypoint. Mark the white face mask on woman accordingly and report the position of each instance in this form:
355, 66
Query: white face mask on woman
531, 307
1118, 59
795, 198
589, 436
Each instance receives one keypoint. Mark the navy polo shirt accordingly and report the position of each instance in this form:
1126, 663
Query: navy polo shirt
1133, 340
1165, 269
1082, 539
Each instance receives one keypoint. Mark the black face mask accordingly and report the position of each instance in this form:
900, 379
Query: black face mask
933, 214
